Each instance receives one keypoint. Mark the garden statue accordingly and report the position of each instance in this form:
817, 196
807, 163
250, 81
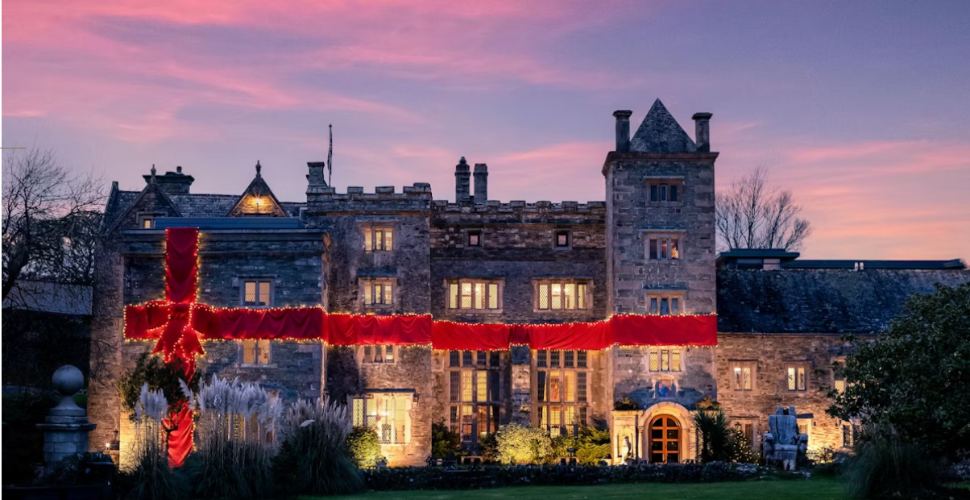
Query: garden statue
784, 445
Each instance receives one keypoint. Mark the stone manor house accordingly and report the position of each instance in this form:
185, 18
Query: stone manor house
648, 249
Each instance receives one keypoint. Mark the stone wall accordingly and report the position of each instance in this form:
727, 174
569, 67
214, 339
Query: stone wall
770, 355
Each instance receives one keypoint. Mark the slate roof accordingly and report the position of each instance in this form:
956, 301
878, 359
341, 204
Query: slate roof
820, 300
196, 205
660, 133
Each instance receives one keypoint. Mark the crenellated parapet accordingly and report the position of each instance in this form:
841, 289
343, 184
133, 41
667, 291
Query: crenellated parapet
416, 197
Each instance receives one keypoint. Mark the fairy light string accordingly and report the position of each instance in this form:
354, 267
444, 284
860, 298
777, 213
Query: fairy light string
180, 324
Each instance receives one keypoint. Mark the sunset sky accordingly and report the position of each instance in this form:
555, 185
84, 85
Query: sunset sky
861, 108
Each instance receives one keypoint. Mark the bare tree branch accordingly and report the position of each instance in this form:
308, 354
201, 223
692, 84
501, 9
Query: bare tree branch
751, 215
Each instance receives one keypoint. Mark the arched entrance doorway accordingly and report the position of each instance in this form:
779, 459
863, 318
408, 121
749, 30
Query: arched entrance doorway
666, 436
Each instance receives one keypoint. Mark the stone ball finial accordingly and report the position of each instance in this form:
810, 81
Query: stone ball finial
68, 380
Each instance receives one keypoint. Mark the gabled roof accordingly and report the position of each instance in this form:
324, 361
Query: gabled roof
160, 200
660, 133
257, 190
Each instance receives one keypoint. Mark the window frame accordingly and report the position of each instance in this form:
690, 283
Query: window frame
665, 191
555, 239
368, 354
258, 346
576, 376
793, 369
360, 413
370, 284
586, 297
671, 354
665, 295
150, 217
388, 237
482, 371
738, 367
477, 233
454, 297
661, 246
258, 280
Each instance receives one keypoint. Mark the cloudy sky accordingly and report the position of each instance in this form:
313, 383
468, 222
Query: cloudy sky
861, 108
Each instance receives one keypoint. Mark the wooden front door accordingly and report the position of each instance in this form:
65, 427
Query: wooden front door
665, 434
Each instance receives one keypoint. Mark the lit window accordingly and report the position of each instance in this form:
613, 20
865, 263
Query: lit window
255, 352
377, 354
474, 392
839, 377
665, 360
741, 377
474, 238
474, 294
379, 239
664, 248
387, 414
796, 378
561, 391
665, 304
561, 295
378, 292
256, 293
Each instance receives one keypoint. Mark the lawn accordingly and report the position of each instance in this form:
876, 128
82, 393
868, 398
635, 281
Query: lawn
812, 489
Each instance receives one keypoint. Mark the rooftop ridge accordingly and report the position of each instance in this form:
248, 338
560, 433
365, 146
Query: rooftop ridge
518, 206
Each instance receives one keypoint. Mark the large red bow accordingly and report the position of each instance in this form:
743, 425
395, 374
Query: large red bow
177, 337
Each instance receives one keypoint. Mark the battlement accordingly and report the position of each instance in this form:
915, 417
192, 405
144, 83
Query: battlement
519, 206
418, 191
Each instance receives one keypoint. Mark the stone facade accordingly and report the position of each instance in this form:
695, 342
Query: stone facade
647, 249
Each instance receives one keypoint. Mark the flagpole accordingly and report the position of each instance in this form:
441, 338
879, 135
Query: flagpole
330, 159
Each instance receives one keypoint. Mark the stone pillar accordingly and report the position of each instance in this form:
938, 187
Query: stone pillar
66, 428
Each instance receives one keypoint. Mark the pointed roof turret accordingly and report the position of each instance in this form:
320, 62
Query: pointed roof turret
257, 200
660, 133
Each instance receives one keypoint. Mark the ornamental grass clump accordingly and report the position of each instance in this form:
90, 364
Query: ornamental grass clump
234, 446
152, 477
313, 457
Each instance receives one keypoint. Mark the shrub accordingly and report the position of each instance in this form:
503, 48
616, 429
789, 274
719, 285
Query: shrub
885, 467
445, 443
83, 468
364, 446
488, 448
233, 456
313, 457
714, 435
593, 445
519, 445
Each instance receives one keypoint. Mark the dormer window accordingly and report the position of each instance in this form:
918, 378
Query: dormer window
147, 220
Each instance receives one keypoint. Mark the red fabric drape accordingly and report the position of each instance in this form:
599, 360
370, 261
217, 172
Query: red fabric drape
464, 336
586, 336
181, 246
351, 329
180, 440
664, 330
294, 324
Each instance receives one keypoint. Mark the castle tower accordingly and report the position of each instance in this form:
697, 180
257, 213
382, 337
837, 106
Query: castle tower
660, 260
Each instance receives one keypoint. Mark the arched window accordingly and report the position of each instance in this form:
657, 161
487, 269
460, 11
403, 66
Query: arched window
665, 434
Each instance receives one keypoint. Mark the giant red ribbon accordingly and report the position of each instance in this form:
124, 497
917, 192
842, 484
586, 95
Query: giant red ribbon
178, 323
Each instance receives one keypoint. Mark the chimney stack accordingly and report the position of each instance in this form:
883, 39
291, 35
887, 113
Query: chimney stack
481, 183
702, 131
462, 181
622, 130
